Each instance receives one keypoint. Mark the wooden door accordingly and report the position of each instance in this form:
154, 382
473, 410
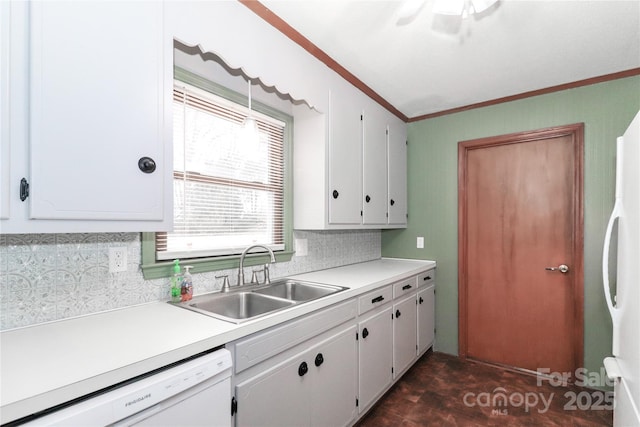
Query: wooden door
520, 211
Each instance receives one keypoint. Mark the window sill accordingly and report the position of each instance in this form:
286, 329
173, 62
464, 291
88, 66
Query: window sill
160, 269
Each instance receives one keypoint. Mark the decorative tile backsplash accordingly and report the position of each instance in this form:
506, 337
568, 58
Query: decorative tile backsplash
45, 277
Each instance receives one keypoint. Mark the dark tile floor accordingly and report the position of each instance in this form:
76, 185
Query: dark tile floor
442, 390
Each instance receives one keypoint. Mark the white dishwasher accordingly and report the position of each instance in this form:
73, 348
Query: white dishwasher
196, 392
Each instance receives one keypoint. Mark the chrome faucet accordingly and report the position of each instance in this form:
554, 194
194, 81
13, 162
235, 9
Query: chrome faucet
241, 267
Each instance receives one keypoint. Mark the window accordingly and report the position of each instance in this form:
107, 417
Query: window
228, 186
230, 191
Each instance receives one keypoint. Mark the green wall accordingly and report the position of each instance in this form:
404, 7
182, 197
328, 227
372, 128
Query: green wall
606, 109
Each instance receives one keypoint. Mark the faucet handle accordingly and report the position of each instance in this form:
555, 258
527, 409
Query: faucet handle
254, 277
225, 283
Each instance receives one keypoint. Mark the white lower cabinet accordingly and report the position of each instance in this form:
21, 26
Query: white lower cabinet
328, 368
375, 357
314, 387
335, 381
274, 398
404, 334
426, 318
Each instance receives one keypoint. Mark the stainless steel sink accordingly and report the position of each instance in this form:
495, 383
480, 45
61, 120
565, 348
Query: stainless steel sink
252, 301
298, 291
238, 306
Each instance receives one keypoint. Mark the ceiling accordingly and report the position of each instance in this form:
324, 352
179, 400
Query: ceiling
432, 63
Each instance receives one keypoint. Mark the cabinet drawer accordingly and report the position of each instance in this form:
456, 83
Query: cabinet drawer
261, 346
374, 299
404, 287
427, 278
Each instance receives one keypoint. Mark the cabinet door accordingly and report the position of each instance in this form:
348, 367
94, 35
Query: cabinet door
374, 167
98, 104
277, 397
5, 38
375, 357
334, 390
397, 158
404, 334
426, 318
345, 157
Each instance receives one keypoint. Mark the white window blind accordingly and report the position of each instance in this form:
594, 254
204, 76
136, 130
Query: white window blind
228, 189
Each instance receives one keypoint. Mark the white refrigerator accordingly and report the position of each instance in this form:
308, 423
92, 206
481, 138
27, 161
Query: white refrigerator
624, 300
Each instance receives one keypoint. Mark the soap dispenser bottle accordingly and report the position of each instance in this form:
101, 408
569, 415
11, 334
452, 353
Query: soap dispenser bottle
186, 291
176, 281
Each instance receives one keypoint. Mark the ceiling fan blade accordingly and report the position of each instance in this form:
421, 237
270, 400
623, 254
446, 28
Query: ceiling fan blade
409, 9
480, 6
448, 7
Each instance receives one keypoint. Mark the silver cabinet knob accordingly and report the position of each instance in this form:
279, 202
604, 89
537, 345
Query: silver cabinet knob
561, 268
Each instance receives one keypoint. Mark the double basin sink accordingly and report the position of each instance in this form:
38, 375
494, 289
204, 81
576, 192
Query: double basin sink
251, 301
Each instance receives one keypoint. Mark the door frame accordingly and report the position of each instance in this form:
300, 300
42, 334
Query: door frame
576, 132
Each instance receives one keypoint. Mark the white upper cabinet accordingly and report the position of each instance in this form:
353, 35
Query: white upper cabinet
374, 160
345, 155
5, 37
397, 166
88, 86
97, 104
93, 138
310, 184
345, 166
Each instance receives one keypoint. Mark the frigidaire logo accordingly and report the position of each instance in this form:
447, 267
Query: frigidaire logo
137, 400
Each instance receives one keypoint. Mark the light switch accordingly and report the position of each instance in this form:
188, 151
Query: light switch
420, 243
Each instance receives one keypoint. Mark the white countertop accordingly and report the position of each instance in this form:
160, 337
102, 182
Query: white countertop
48, 364
366, 276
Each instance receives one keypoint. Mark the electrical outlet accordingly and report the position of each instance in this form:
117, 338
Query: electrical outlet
117, 259
301, 247
420, 243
